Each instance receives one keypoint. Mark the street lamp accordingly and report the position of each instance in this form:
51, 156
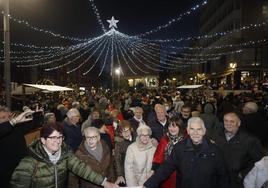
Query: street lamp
118, 73
174, 81
7, 54
233, 65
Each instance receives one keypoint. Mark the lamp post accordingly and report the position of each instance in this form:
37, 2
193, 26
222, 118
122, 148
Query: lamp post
118, 72
174, 81
7, 72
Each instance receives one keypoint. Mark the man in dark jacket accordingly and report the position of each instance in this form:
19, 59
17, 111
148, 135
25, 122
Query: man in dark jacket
137, 119
12, 141
254, 123
240, 149
185, 114
159, 123
198, 162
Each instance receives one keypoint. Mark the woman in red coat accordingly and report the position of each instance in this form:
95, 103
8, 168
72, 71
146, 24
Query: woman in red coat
164, 149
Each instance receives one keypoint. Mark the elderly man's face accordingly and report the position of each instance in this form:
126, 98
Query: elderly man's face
231, 123
92, 138
161, 114
75, 118
196, 132
4, 116
185, 113
138, 113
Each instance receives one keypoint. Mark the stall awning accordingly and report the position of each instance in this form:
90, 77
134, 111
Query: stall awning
189, 86
30, 88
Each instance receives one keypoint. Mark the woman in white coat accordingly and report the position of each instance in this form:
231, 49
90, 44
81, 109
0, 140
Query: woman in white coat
139, 157
258, 176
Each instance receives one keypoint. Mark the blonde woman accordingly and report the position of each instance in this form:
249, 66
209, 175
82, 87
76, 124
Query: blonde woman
139, 157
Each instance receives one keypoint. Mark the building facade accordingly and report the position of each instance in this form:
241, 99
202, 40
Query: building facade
242, 59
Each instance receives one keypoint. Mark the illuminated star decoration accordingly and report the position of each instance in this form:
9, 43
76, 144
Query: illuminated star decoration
112, 22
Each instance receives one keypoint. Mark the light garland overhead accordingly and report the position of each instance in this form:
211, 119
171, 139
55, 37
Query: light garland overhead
158, 28
134, 54
96, 12
170, 22
25, 23
222, 33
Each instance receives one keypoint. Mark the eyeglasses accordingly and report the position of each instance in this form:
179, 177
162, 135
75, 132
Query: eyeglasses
91, 137
54, 138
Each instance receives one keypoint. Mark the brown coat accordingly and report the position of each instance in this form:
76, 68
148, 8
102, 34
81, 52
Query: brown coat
119, 156
105, 167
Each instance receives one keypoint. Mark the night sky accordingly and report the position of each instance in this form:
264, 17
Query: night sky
76, 18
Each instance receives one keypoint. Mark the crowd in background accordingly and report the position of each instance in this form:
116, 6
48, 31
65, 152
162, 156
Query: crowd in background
130, 137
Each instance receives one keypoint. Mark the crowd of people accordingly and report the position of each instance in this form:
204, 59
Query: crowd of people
147, 138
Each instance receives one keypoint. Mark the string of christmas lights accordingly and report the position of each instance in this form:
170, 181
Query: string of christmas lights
174, 55
138, 54
150, 57
26, 23
124, 58
170, 22
51, 56
128, 55
102, 50
66, 54
222, 33
215, 47
132, 50
105, 59
95, 42
101, 43
136, 44
96, 12
139, 60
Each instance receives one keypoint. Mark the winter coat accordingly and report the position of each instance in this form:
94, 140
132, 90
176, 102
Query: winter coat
159, 157
158, 130
13, 146
119, 155
138, 163
258, 175
255, 124
211, 120
240, 154
73, 135
37, 171
202, 168
103, 167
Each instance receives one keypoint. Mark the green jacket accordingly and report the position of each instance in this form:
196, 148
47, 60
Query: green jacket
37, 171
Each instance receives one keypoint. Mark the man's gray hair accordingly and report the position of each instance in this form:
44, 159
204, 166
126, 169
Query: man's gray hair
73, 112
144, 127
251, 106
196, 120
91, 129
138, 108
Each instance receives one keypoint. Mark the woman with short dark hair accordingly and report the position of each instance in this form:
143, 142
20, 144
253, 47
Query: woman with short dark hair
48, 163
